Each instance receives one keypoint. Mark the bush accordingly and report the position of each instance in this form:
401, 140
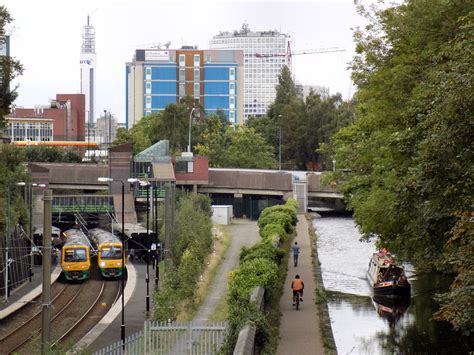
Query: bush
271, 230
251, 274
276, 217
262, 251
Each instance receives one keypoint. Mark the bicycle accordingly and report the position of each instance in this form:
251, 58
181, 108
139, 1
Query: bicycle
296, 299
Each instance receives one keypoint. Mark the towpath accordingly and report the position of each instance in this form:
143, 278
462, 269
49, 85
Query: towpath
299, 330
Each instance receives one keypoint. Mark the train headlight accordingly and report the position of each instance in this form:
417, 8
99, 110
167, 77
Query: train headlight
119, 264
102, 264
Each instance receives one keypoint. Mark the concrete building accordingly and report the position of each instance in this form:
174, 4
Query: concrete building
156, 78
88, 64
62, 120
265, 54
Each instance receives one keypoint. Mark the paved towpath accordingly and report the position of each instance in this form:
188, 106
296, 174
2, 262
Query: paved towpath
299, 330
243, 233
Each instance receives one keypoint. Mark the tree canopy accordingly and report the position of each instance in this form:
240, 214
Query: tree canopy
410, 152
10, 68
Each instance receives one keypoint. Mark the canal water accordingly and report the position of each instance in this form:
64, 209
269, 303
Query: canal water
363, 325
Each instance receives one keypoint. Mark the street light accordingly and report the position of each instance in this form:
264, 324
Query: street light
147, 278
189, 137
122, 327
279, 147
334, 165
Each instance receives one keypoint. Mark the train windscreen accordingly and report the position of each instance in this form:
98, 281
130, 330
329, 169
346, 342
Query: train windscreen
111, 253
75, 255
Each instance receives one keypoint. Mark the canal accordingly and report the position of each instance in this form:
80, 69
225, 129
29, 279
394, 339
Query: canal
362, 325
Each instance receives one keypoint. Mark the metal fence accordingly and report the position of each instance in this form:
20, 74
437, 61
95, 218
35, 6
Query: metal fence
172, 338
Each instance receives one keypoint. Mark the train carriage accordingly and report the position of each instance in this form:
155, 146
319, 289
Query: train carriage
75, 256
109, 250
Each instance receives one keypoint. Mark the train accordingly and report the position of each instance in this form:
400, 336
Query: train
109, 252
75, 255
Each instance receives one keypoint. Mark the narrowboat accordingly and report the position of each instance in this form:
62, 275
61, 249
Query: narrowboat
386, 277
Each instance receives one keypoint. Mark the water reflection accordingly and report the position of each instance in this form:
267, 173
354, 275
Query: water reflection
363, 324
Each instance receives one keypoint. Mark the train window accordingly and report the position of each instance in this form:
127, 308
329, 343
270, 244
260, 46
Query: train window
111, 253
75, 255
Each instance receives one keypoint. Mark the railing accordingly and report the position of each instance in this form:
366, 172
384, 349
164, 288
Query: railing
194, 337
99, 203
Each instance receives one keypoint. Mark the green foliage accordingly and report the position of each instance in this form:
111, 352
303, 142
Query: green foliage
262, 251
281, 218
410, 152
272, 229
51, 155
301, 128
251, 273
12, 170
223, 145
10, 68
191, 243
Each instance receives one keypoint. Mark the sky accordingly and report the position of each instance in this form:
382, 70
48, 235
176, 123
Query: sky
46, 38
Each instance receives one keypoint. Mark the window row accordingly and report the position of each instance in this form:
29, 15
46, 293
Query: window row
35, 132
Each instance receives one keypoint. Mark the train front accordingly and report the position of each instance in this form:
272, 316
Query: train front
110, 259
75, 261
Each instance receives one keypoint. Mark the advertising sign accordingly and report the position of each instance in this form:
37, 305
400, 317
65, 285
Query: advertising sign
157, 55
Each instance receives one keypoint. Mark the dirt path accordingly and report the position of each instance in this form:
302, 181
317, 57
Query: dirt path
299, 330
243, 233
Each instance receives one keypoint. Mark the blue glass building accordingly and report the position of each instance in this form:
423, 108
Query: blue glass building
156, 78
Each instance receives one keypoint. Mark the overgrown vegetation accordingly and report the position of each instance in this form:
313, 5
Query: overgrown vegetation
262, 264
191, 243
409, 155
51, 155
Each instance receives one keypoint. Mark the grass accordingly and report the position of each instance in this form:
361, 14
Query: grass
222, 242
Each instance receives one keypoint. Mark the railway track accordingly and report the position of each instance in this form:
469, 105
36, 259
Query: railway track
75, 309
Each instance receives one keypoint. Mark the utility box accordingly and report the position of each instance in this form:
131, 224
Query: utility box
222, 214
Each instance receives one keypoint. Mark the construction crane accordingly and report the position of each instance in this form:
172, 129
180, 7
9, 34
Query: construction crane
290, 53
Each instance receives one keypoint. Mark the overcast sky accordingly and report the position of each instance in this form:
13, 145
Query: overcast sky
46, 38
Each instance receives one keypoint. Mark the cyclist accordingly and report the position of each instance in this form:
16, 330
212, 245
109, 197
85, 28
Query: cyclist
296, 251
297, 285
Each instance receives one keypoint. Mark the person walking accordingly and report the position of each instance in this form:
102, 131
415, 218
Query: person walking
296, 251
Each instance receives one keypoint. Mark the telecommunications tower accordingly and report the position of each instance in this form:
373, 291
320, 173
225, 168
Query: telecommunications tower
88, 65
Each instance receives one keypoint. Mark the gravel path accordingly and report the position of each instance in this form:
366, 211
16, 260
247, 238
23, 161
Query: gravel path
243, 233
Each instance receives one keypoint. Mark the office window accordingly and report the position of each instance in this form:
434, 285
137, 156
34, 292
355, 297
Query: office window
232, 116
182, 75
232, 88
196, 89
182, 90
182, 60
232, 73
197, 76
197, 60
148, 71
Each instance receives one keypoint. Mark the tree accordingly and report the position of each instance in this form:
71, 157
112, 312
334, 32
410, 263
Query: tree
247, 149
410, 150
51, 155
10, 69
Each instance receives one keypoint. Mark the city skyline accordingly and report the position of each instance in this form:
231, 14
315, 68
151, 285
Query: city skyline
121, 27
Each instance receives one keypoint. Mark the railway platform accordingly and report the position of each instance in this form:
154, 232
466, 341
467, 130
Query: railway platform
108, 329
27, 292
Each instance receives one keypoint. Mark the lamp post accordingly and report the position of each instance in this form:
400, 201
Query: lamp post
147, 278
122, 327
279, 147
334, 165
189, 136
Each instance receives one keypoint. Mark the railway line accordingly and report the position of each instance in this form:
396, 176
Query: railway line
75, 309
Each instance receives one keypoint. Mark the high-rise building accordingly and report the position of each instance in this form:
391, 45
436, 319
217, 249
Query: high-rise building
88, 65
265, 54
156, 78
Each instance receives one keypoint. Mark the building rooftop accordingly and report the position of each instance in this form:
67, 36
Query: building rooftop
246, 32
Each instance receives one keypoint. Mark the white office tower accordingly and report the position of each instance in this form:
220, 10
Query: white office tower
88, 65
265, 54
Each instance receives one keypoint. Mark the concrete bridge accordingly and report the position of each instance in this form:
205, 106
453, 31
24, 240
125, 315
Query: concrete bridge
248, 190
